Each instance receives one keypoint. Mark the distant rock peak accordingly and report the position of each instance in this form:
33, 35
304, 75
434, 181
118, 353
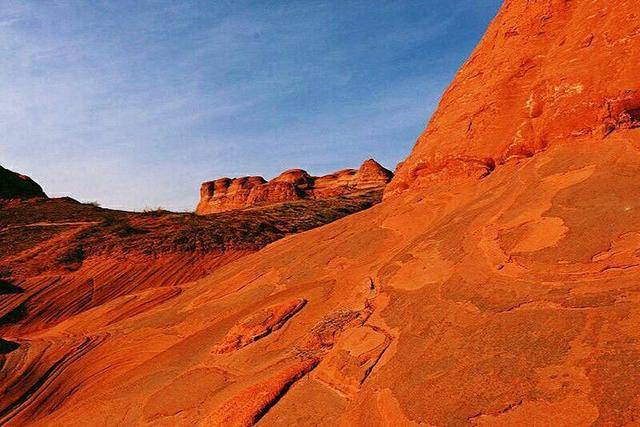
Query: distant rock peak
225, 194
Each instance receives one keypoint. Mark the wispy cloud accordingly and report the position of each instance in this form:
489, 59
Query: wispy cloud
133, 103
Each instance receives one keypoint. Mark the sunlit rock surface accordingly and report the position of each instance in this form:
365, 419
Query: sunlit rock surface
497, 284
227, 194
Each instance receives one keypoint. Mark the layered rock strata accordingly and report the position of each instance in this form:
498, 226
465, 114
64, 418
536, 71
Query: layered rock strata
227, 194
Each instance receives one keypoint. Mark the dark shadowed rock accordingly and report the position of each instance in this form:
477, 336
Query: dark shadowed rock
16, 186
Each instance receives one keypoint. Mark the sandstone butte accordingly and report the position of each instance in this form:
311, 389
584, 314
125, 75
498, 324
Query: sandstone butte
226, 194
498, 283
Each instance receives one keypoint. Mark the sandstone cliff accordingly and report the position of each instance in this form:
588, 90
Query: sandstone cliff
16, 186
226, 194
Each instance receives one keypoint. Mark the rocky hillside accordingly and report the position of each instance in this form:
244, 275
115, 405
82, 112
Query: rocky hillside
16, 186
498, 283
226, 194
60, 257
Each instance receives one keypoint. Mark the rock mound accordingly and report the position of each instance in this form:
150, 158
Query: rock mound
16, 186
227, 194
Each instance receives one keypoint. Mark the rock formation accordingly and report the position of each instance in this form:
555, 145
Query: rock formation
226, 194
497, 283
536, 79
16, 186
59, 252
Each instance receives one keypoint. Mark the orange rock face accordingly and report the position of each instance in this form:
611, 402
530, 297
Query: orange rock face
295, 184
16, 186
545, 73
493, 286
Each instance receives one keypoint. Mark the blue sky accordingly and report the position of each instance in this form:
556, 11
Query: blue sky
134, 103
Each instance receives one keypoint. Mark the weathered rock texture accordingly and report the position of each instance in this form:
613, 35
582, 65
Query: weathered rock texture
546, 72
59, 257
226, 194
508, 300
16, 186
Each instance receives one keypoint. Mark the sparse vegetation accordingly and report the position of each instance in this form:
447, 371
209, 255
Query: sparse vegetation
71, 256
87, 231
155, 211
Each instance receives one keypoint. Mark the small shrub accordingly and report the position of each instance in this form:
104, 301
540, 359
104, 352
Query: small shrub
73, 255
155, 211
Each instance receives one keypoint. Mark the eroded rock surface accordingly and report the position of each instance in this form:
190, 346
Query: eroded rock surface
513, 299
546, 72
258, 325
59, 257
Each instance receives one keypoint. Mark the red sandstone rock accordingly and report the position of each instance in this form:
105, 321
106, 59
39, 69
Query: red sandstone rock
507, 300
62, 253
259, 325
226, 194
16, 186
371, 175
295, 184
545, 73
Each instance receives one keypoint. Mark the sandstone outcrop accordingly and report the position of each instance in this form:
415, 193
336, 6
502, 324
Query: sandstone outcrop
545, 73
16, 186
513, 299
226, 194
